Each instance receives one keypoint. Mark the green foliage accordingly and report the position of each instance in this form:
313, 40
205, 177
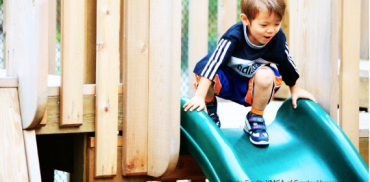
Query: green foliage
58, 35
238, 11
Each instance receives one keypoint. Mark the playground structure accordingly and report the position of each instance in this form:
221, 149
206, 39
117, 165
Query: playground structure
91, 104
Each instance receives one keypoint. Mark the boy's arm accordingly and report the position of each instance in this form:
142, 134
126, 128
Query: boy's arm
297, 93
198, 100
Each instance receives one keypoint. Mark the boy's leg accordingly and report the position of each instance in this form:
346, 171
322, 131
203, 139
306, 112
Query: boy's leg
210, 94
210, 100
211, 105
263, 83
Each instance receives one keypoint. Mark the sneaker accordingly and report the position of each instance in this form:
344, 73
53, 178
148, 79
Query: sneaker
212, 112
255, 126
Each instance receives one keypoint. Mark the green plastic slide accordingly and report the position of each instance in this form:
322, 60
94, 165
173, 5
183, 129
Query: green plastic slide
305, 145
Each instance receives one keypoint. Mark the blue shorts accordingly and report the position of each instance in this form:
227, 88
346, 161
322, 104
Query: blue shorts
229, 85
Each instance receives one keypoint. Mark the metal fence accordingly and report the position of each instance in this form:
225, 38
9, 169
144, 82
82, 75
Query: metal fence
212, 39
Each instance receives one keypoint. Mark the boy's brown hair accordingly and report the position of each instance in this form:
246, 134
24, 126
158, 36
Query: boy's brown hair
251, 8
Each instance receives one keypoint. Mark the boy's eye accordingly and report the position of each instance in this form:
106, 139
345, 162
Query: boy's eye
277, 24
263, 25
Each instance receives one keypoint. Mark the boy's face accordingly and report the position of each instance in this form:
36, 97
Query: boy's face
262, 28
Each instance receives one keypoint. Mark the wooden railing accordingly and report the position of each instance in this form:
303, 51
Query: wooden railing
141, 97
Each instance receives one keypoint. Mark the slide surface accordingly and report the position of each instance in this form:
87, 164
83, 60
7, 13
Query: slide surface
305, 145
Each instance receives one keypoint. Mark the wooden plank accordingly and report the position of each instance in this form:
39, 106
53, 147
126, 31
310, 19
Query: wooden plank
364, 93
198, 37
106, 110
285, 22
118, 178
349, 70
364, 149
310, 43
32, 156
186, 168
364, 32
334, 42
13, 165
91, 142
8, 82
27, 56
134, 51
53, 91
90, 43
175, 87
52, 35
88, 125
227, 15
164, 87
284, 92
72, 62
88, 89
43, 121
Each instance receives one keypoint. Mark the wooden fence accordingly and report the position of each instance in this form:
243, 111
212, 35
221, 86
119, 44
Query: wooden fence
120, 78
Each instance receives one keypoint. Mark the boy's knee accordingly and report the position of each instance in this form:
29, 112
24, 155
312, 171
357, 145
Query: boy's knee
264, 78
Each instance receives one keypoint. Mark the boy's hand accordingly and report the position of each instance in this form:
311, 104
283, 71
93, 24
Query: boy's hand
300, 93
195, 102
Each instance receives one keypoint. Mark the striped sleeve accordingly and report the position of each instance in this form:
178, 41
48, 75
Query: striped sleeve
290, 59
221, 54
287, 68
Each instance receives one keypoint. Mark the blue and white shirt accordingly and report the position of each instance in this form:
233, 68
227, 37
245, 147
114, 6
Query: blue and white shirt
236, 51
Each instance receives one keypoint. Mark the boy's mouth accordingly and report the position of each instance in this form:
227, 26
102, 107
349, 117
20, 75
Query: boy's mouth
267, 38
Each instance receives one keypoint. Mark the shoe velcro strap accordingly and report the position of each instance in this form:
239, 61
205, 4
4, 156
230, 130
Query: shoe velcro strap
258, 127
256, 120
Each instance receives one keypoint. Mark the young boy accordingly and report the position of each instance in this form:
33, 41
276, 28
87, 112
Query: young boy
239, 69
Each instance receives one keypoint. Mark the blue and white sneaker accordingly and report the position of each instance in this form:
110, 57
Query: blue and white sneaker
212, 112
256, 127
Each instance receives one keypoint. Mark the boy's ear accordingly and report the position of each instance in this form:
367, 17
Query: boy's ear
244, 19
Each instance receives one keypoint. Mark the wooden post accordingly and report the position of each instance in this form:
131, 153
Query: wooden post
72, 62
106, 107
134, 52
90, 43
27, 56
364, 41
32, 156
227, 15
335, 28
52, 35
349, 70
13, 165
285, 21
311, 38
164, 86
198, 37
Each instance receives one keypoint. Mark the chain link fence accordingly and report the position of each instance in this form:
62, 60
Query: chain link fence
61, 176
212, 39
184, 48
